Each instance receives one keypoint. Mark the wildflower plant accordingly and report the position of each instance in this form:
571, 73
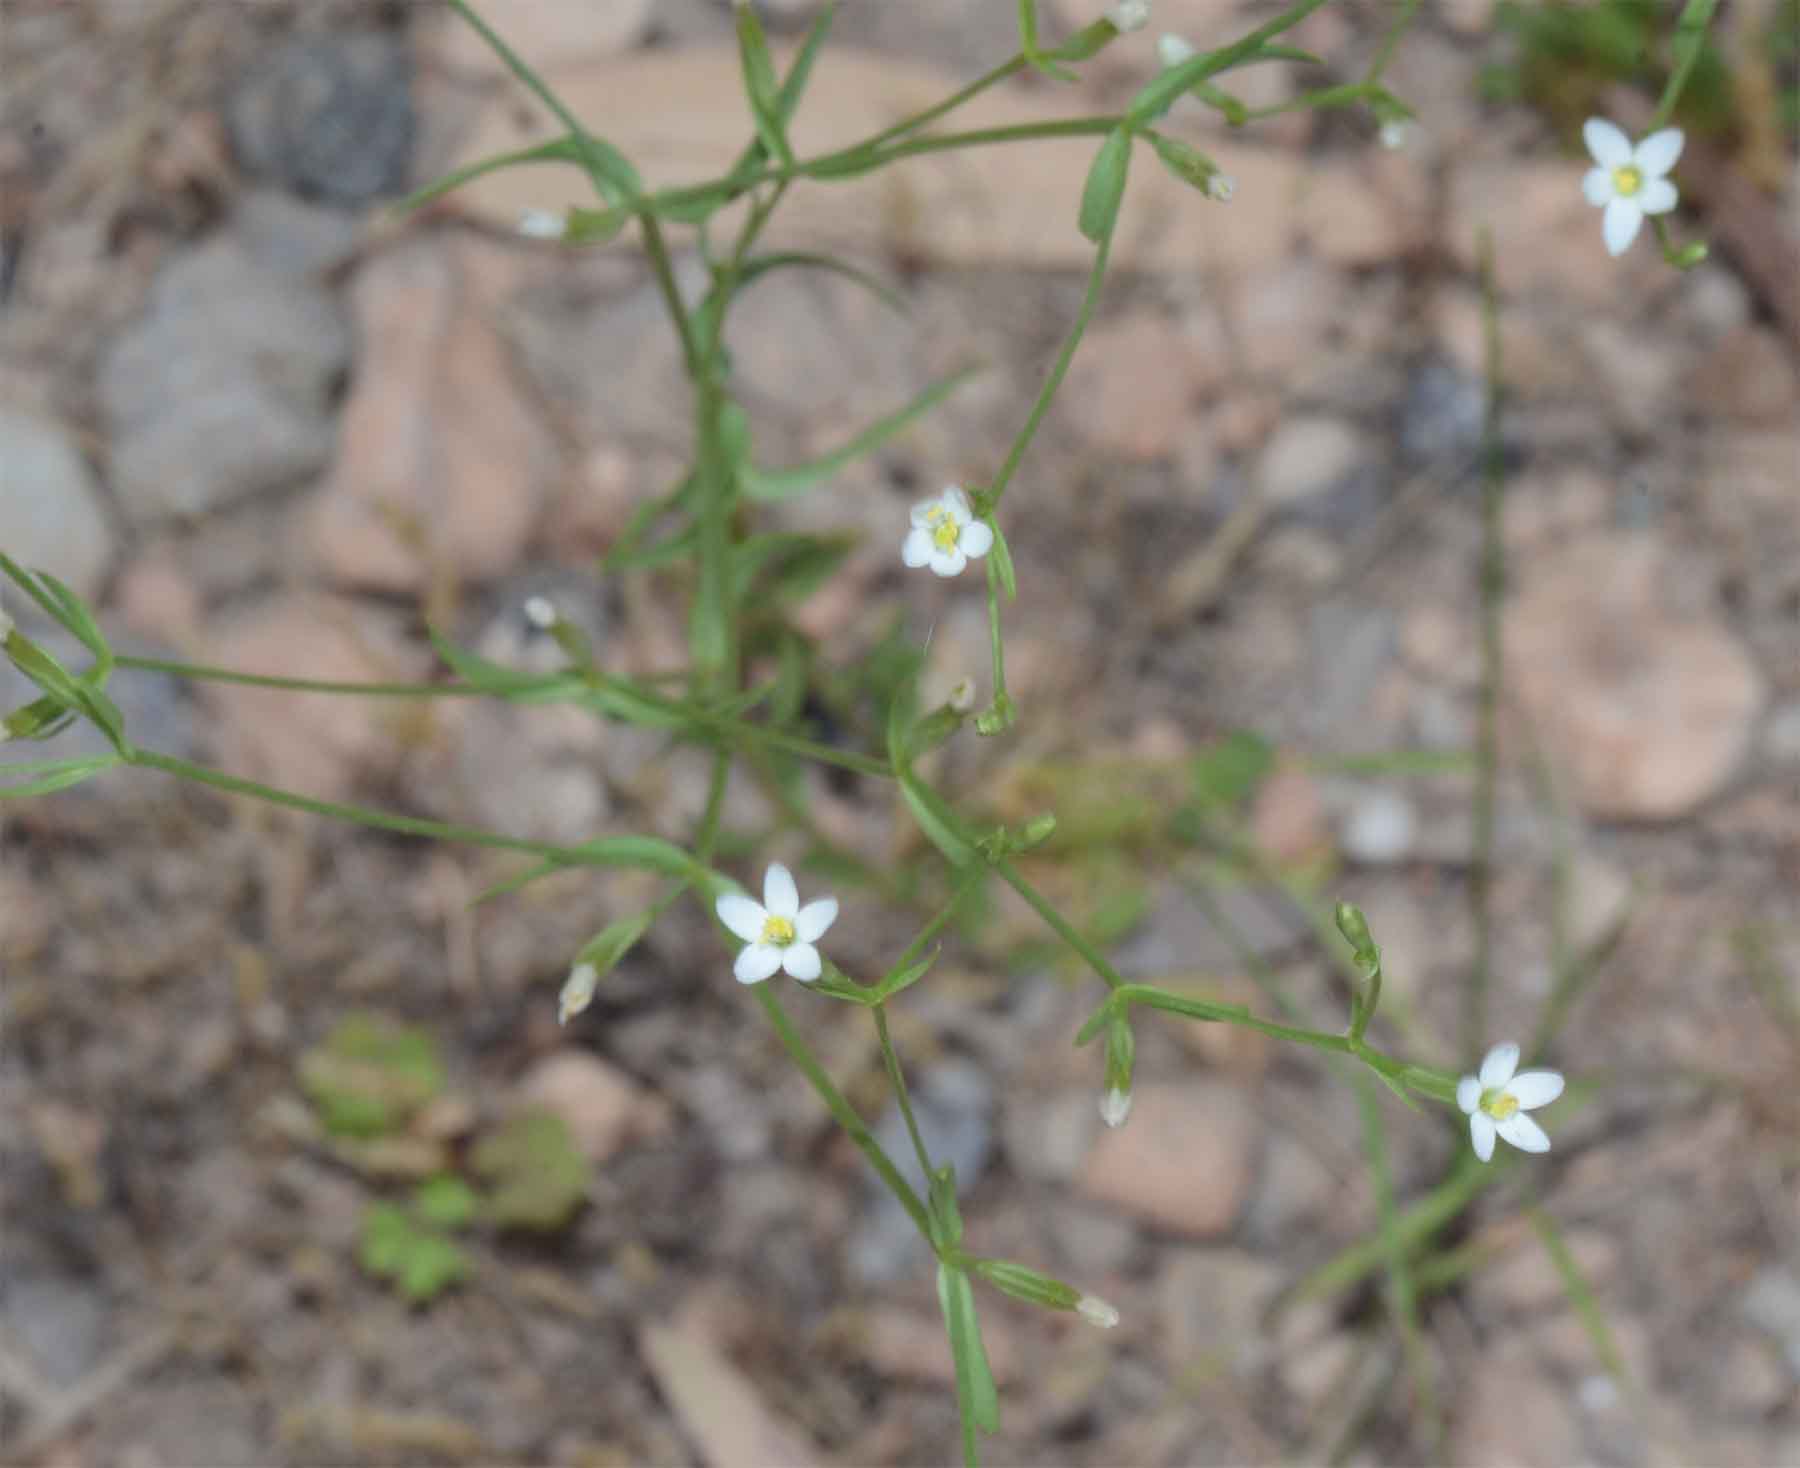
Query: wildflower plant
710, 518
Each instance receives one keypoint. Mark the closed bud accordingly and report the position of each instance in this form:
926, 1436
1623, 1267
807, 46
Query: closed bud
1096, 1311
577, 991
1115, 1107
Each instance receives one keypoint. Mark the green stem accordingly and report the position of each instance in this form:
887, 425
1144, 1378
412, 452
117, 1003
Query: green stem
658, 251
1058, 924
897, 1079
1390, 42
1689, 45
359, 815
1096, 278
309, 685
844, 1113
1487, 737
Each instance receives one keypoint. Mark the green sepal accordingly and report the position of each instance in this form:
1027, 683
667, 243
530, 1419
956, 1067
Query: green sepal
1027, 1284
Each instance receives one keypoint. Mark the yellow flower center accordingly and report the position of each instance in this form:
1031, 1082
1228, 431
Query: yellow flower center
1627, 180
1499, 1104
945, 532
778, 930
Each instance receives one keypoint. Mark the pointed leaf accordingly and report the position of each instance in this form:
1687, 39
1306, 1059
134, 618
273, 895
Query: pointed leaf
1105, 186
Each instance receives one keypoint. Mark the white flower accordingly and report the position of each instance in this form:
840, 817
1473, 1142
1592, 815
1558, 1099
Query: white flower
577, 991
1496, 1100
542, 224
540, 611
1394, 134
1115, 1106
1172, 50
1628, 182
1096, 1311
1129, 15
777, 932
945, 534
1220, 185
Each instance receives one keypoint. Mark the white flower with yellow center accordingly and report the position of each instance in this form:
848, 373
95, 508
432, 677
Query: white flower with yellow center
777, 932
1628, 182
1496, 1100
945, 534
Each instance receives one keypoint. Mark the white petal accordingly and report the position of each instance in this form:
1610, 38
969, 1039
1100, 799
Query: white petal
1535, 1088
1523, 1133
949, 563
1620, 224
921, 512
1468, 1094
1656, 155
1597, 186
1172, 50
744, 917
1115, 1106
977, 540
916, 549
756, 963
782, 897
956, 502
812, 920
802, 961
1481, 1134
1498, 1065
1657, 197
1610, 147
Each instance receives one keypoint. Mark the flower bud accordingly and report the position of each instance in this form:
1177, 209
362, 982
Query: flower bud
1129, 15
540, 611
577, 991
1172, 50
542, 224
1096, 1311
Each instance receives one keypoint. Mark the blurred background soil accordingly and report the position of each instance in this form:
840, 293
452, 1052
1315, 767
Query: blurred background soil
267, 423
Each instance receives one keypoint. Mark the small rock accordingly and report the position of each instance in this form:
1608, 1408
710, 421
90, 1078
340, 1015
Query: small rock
1212, 1304
1378, 827
1441, 417
1179, 938
551, 37
1753, 1379
443, 466
597, 1102
1287, 817
1511, 1417
1310, 1373
1184, 1160
1599, 898
1649, 709
1283, 315
1048, 1136
1439, 645
904, 1346
1307, 456
1781, 735
328, 115
1131, 387
1293, 1187
1350, 220
1092, 1243
1771, 1302
224, 388
292, 237
51, 514
315, 743
1528, 1279
1749, 378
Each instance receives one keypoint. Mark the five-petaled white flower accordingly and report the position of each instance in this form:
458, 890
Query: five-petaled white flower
1496, 1100
777, 932
1628, 182
945, 534
1129, 15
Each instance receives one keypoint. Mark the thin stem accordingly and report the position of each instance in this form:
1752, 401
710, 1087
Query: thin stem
1058, 924
897, 1079
309, 685
1493, 571
1690, 43
1390, 42
844, 1113
931, 114
359, 815
658, 251
1096, 278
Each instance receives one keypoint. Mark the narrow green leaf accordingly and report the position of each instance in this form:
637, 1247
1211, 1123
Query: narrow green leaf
77, 619
760, 265
905, 978
1581, 1297
1003, 562
51, 774
560, 150
1105, 186
779, 484
594, 226
759, 84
